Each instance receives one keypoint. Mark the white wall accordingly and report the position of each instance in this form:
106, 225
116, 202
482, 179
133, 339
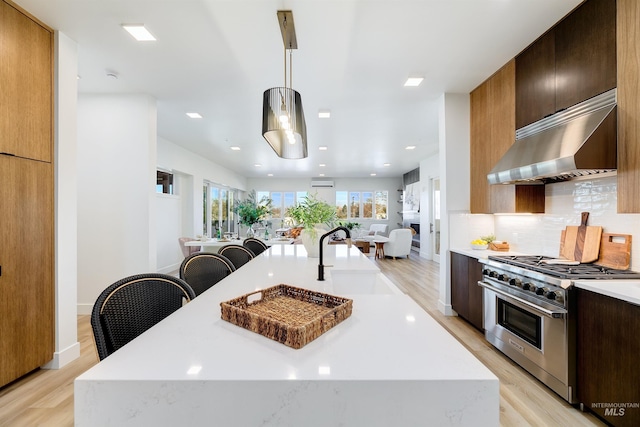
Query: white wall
116, 191
67, 347
391, 185
540, 234
168, 230
454, 178
180, 215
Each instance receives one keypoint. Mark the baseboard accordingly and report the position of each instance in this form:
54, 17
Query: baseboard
84, 308
170, 269
446, 309
62, 358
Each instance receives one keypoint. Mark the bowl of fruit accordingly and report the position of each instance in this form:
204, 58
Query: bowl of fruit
479, 244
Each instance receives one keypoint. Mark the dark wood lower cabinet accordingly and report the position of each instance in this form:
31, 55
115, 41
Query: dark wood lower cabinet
466, 295
608, 358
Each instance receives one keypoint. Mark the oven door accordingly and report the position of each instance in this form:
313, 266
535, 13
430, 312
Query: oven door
534, 337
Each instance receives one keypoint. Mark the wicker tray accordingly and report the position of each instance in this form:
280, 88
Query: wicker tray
290, 315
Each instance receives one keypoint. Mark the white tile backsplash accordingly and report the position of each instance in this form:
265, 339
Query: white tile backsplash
540, 233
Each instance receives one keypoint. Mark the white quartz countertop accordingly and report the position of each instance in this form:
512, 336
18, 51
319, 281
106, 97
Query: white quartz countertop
388, 362
626, 290
483, 253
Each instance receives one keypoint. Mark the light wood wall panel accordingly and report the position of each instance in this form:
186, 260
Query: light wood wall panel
628, 57
26, 97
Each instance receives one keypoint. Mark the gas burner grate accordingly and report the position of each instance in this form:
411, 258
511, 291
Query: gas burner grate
574, 272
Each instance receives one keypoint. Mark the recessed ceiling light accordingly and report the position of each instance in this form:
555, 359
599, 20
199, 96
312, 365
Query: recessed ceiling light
235, 148
194, 115
269, 174
322, 165
414, 81
257, 165
320, 174
373, 174
139, 32
410, 147
322, 148
387, 164
324, 114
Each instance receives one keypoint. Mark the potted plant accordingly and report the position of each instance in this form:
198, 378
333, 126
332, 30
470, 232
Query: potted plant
250, 211
312, 214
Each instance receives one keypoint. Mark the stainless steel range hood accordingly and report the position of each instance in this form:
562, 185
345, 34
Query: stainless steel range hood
578, 141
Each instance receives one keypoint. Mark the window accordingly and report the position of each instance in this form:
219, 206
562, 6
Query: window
361, 204
164, 182
382, 203
282, 200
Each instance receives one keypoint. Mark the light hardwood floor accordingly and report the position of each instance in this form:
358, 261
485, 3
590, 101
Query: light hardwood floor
45, 397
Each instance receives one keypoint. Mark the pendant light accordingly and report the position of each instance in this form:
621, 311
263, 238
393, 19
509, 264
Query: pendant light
283, 124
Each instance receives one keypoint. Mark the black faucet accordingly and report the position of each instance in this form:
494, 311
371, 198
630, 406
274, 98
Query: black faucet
321, 265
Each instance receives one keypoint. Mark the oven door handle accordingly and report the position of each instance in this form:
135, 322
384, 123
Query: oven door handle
549, 313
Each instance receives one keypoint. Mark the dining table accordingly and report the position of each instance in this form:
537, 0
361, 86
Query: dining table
214, 244
388, 363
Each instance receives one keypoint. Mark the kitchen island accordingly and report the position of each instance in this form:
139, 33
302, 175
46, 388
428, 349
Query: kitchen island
390, 363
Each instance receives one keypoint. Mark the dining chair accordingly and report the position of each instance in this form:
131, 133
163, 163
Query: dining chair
237, 254
187, 250
255, 245
202, 270
130, 306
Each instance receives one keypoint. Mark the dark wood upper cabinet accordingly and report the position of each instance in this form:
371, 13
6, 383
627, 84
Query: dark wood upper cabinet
572, 62
536, 81
586, 53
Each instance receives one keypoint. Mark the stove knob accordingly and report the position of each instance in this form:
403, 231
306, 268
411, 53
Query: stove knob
528, 286
551, 295
493, 274
486, 272
503, 277
541, 291
516, 282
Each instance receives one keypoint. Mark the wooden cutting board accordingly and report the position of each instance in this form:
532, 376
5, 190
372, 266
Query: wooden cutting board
581, 243
615, 251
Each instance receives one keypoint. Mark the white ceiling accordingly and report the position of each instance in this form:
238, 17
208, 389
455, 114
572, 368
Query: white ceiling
217, 57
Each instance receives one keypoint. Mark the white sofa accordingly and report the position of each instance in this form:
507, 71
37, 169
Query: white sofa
399, 243
378, 229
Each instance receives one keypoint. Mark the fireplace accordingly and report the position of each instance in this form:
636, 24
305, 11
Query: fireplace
416, 238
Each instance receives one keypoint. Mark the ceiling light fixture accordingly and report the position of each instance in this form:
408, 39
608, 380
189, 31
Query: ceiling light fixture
387, 164
194, 115
139, 32
324, 114
413, 81
410, 147
323, 148
283, 124
373, 174
235, 148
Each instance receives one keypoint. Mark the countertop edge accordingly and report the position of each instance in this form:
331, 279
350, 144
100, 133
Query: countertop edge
624, 290
483, 253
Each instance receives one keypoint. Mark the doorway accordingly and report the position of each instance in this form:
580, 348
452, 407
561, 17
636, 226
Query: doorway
434, 219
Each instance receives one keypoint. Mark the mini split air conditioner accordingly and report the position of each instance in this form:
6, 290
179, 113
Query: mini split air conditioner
316, 184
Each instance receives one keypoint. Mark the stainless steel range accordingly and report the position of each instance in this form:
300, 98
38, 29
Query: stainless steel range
529, 313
